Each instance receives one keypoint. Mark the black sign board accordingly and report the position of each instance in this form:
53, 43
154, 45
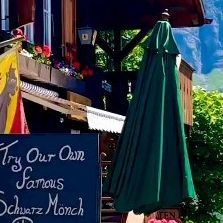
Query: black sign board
49, 179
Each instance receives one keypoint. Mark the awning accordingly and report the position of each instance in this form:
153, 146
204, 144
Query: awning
27, 87
104, 121
97, 119
51, 100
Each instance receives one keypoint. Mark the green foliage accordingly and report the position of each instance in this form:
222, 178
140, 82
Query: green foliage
102, 59
206, 150
131, 62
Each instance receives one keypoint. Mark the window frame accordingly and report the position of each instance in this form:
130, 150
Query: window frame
29, 32
5, 15
47, 23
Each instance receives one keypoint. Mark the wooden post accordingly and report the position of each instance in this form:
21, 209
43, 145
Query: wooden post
117, 50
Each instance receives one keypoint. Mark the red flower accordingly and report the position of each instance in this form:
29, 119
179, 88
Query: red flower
152, 220
46, 51
38, 49
77, 65
18, 33
68, 59
90, 72
87, 72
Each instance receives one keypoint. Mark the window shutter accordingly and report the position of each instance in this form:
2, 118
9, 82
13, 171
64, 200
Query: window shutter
38, 25
26, 11
21, 12
69, 29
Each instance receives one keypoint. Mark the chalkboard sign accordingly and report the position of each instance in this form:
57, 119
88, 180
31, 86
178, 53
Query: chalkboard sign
49, 179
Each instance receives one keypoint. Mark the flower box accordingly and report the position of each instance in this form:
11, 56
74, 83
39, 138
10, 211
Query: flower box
57, 77
45, 72
75, 85
23, 64
33, 67
70, 83
35, 62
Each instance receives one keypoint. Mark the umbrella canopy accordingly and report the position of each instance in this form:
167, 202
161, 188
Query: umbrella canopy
151, 168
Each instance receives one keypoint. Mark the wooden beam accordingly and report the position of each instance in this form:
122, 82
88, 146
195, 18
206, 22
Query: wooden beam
104, 45
133, 43
46, 103
61, 107
117, 51
77, 98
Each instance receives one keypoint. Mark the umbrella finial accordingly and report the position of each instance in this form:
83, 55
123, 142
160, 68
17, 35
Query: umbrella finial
165, 15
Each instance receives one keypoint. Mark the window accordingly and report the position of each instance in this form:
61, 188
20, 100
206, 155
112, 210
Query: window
29, 32
47, 22
5, 15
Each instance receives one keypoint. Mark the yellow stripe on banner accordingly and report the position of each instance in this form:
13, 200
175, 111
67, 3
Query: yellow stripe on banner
9, 88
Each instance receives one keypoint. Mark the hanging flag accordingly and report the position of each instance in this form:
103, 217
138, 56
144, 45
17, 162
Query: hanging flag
12, 116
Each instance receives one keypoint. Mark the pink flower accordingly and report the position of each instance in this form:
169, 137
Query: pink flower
46, 51
152, 220
38, 49
163, 221
18, 33
172, 221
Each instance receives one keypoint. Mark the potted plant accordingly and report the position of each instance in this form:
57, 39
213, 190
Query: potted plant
164, 221
39, 61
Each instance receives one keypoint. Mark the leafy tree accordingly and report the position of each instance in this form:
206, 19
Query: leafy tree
206, 149
102, 59
131, 62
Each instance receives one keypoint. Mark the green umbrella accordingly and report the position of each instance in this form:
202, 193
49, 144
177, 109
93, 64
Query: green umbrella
151, 168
